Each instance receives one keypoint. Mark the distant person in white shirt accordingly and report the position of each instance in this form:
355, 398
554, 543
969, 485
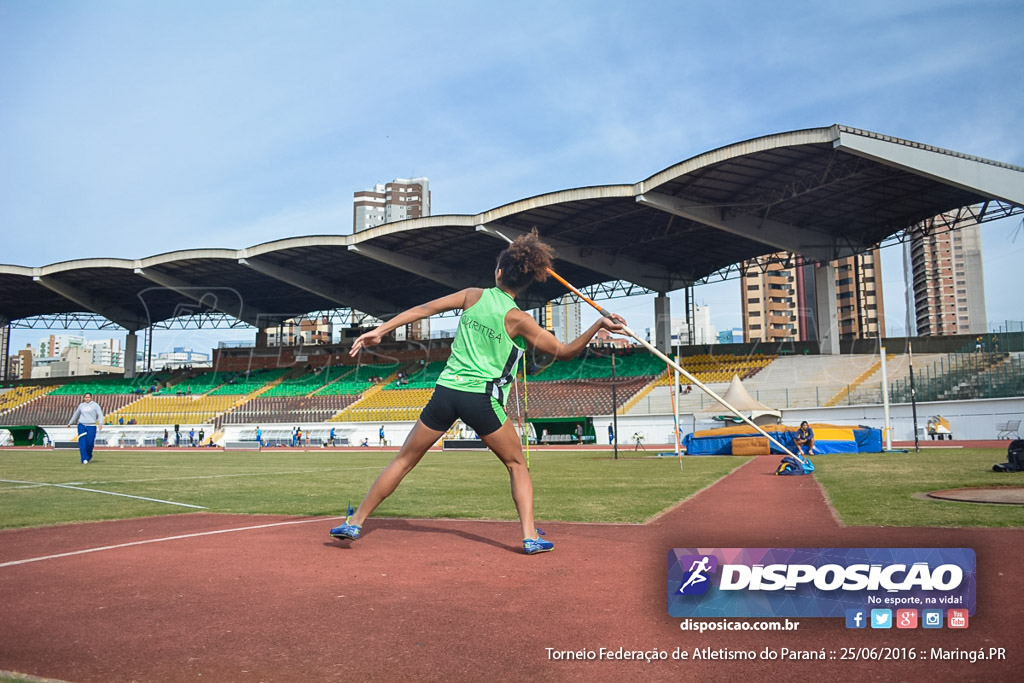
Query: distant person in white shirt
89, 418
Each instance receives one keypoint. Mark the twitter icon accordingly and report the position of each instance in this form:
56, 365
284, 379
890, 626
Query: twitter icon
881, 618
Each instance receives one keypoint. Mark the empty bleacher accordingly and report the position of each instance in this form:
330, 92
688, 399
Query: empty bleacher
417, 376
962, 376
592, 366
107, 385
309, 382
14, 400
712, 369
572, 398
785, 382
292, 409
156, 410
196, 382
358, 380
387, 406
53, 409
237, 384
897, 372
583, 386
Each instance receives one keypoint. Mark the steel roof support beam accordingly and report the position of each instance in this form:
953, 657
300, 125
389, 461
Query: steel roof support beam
427, 269
212, 298
811, 244
5, 347
615, 267
992, 180
343, 296
115, 313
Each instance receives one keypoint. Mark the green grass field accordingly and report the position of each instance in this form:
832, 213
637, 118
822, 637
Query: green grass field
569, 486
882, 489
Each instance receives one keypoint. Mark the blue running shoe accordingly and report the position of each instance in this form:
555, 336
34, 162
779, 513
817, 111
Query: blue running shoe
348, 529
532, 546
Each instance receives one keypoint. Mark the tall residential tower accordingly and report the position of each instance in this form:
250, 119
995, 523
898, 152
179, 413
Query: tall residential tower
400, 199
949, 283
779, 298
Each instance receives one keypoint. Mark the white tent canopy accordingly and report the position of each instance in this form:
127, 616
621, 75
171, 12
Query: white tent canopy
739, 398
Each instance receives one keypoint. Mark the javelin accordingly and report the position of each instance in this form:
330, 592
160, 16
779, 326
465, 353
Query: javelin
650, 347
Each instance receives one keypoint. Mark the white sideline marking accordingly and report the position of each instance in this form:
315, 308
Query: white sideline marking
214, 476
161, 540
109, 493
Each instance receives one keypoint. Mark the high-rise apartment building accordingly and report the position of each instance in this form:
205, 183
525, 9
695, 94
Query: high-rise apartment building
55, 344
20, 364
387, 203
301, 331
859, 307
779, 298
561, 317
104, 352
417, 330
949, 285
704, 332
769, 300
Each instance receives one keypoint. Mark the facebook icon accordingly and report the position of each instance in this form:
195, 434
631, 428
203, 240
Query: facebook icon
856, 618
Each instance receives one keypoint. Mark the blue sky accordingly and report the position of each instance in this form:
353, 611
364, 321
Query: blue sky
129, 129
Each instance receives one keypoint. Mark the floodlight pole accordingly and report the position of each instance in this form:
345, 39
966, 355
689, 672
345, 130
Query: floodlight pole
907, 267
615, 411
913, 394
885, 403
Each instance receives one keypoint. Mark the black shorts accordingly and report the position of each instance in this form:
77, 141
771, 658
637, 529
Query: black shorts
481, 412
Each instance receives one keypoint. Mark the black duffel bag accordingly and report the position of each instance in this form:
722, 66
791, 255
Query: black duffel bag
1014, 458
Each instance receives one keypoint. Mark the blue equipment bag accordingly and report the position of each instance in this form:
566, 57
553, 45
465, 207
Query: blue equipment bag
794, 466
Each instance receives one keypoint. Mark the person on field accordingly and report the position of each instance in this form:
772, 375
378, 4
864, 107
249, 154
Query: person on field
89, 418
804, 439
491, 339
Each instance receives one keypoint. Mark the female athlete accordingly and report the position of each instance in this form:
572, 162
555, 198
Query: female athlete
491, 338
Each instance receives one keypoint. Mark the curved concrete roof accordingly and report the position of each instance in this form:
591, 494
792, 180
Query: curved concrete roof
822, 192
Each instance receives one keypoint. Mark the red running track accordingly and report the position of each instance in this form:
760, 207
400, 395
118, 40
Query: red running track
428, 600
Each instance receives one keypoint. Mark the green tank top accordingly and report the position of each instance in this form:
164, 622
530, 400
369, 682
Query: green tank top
484, 357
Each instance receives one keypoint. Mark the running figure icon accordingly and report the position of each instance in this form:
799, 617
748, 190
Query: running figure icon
697, 571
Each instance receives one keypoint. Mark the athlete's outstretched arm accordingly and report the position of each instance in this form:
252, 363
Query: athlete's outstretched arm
520, 324
463, 299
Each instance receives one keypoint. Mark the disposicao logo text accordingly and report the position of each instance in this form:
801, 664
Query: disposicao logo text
808, 582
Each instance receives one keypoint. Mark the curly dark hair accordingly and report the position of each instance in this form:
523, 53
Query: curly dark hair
525, 260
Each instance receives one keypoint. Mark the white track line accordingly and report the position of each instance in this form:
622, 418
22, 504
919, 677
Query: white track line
161, 540
109, 493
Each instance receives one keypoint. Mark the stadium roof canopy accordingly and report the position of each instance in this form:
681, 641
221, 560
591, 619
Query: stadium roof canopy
823, 193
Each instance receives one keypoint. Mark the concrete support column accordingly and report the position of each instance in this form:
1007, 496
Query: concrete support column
663, 323
261, 339
131, 349
825, 308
